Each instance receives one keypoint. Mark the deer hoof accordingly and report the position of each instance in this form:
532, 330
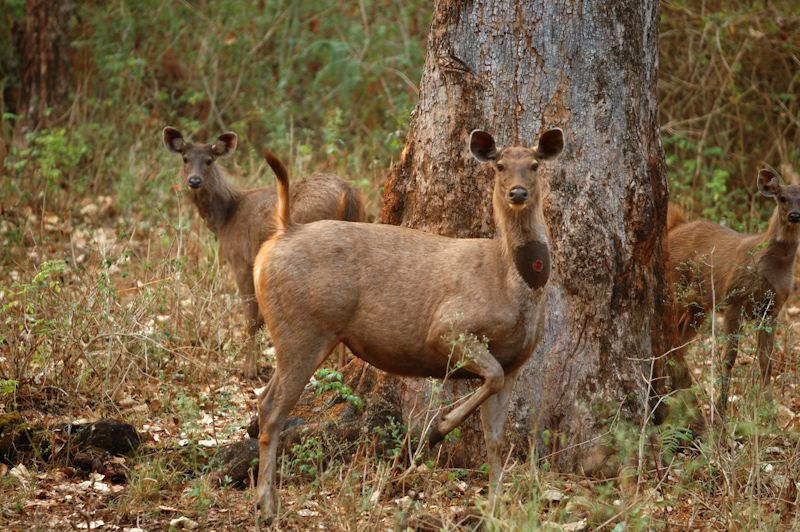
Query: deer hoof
435, 436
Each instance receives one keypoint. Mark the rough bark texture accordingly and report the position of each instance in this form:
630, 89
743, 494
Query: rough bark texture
45, 61
516, 68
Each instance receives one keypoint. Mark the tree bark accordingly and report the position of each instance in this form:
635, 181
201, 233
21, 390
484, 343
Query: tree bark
45, 62
516, 68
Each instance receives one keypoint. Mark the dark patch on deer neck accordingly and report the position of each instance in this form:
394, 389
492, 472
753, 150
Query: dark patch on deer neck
215, 201
532, 260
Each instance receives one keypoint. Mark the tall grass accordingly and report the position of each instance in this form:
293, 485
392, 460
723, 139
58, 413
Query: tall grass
111, 289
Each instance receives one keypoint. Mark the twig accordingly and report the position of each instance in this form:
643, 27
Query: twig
145, 284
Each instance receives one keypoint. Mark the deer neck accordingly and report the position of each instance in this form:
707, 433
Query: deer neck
782, 238
215, 200
524, 238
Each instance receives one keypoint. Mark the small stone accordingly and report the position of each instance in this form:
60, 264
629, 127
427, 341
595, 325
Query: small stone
184, 522
552, 495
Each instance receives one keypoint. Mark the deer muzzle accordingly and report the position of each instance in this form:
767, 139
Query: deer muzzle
195, 182
794, 217
518, 195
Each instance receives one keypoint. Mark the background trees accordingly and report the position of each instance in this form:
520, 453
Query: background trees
45, 47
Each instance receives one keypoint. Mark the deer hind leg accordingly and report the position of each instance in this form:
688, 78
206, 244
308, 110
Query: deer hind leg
296, 362
493, 421
481, 363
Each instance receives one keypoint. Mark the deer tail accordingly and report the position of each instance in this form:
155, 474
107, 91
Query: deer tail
675, 217
351, 205
282, 214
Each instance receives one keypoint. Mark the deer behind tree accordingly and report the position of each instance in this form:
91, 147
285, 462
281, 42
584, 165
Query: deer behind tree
242, 220
750, 275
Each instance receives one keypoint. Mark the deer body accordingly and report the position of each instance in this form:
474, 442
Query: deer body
752, 274
242, 220
399, 299
385, 331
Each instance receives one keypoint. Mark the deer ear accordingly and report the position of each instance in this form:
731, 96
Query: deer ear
482, 146
768, 183
173, 140
226, 144
551, 143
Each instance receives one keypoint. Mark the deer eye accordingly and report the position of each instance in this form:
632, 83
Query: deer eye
783, 199
209, 161
535, 166
185, 160
501, 167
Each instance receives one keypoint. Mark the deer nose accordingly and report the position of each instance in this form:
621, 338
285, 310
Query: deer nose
195, 182
518, 195
794, 217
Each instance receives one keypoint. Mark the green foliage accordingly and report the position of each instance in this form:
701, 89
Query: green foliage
673, 438
328, 86
308, 455
393, 435
326, 379
8, 387
728, 105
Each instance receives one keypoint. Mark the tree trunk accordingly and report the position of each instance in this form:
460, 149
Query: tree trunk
516, 68
45, 63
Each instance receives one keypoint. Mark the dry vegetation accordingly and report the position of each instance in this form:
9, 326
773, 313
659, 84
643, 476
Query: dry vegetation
115, 302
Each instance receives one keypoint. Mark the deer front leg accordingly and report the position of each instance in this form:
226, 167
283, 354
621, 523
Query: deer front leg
486, 366
766, 344
253, 321
731, 329
493, 421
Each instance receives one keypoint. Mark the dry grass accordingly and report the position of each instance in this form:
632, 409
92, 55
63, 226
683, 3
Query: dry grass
115, 302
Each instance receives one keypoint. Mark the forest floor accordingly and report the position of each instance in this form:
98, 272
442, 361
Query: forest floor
101, 334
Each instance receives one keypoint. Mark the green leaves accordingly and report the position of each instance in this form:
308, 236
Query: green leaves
326, 379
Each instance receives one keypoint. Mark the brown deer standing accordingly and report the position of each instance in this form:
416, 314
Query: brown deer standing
242, 220
752, 274
399, 298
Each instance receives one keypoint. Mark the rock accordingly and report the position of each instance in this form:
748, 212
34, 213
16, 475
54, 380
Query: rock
20, 441
294, 421
291, 422
252, 428
111, 468
232, 463
551, 495
184, 522
425, 523
109, 435
95, 446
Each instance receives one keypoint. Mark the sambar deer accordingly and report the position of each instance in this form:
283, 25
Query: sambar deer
399, 298
242, 220
752, 274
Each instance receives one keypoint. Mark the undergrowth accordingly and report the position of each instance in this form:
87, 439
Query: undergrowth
114, 301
